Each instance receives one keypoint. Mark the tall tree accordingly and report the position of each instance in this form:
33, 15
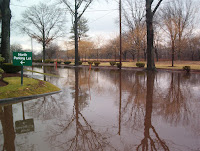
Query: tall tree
170, 24
5, 30
82, 29
178, 17
134, 21
77, 9
43, 23
150, 32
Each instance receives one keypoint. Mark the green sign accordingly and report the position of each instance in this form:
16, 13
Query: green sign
22, 58
24, 126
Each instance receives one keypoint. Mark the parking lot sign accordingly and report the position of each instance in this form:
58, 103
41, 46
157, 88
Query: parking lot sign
22, 58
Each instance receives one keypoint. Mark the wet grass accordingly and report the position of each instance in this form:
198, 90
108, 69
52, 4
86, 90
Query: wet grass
30, 87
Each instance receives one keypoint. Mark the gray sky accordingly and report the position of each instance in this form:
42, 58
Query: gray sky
101, 20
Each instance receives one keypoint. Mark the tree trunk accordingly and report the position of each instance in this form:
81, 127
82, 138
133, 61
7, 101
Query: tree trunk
44, 53
150, 37
5, 33
145, 55
76, 35
138, 55
156, 52
173, 47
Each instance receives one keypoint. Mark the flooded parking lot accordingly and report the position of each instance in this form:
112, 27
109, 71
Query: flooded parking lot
102, 109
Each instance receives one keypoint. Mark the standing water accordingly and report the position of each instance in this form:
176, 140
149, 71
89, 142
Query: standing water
102, 109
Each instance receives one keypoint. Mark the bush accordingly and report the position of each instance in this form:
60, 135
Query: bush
67, 62
90, 62
59, 62
80, 62
51, 61
187, 69
1, 71
10, 68
140, 64
96, 63
112, 63
37, 60
47, 61
119, 65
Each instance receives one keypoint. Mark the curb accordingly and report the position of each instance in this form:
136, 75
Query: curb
25, 98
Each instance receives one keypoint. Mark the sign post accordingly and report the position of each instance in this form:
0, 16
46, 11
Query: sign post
22, 59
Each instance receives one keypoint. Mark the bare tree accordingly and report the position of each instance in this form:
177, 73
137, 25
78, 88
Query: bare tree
77, 10
43, 23
134, 21
178, 17
171, 29
150, 33
16, 48
52, 49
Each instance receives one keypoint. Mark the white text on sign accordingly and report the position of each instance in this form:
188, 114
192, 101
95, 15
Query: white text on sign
22, 58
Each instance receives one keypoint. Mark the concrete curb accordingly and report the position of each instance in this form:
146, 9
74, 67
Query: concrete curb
25, 98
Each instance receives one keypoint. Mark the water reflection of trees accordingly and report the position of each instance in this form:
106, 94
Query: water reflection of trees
150, 141
77, 133
6, 118
133, 107
175, 107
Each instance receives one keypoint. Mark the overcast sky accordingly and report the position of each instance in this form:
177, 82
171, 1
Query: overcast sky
101, 17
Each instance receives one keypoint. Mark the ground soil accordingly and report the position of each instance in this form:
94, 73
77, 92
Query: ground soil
3, 83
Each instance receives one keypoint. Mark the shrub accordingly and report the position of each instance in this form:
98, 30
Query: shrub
119, 65
112, 63
90, 62
186, 68
1, 71
80, 62
37, 60
47, 61
59, 62
140, 64
67, 62
96, 63
10, 68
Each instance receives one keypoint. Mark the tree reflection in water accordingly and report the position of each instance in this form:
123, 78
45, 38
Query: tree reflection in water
149, 143
133, 108
6, 117
175, 108
77, 133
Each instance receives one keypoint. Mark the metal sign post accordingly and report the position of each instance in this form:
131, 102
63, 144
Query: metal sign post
22, 59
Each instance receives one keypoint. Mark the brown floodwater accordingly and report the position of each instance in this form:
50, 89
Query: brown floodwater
108, 110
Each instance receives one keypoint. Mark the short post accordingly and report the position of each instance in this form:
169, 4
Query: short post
22, 68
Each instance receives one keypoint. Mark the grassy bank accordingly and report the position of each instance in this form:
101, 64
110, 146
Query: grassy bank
30, 87
161, 64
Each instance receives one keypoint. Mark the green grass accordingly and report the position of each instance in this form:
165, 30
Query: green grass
30, 87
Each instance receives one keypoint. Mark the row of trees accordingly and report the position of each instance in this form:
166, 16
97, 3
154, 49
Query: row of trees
171, 29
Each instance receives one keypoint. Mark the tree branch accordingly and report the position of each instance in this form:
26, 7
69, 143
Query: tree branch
155, 9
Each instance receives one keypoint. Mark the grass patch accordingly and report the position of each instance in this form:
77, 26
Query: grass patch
47, 74
30, 87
